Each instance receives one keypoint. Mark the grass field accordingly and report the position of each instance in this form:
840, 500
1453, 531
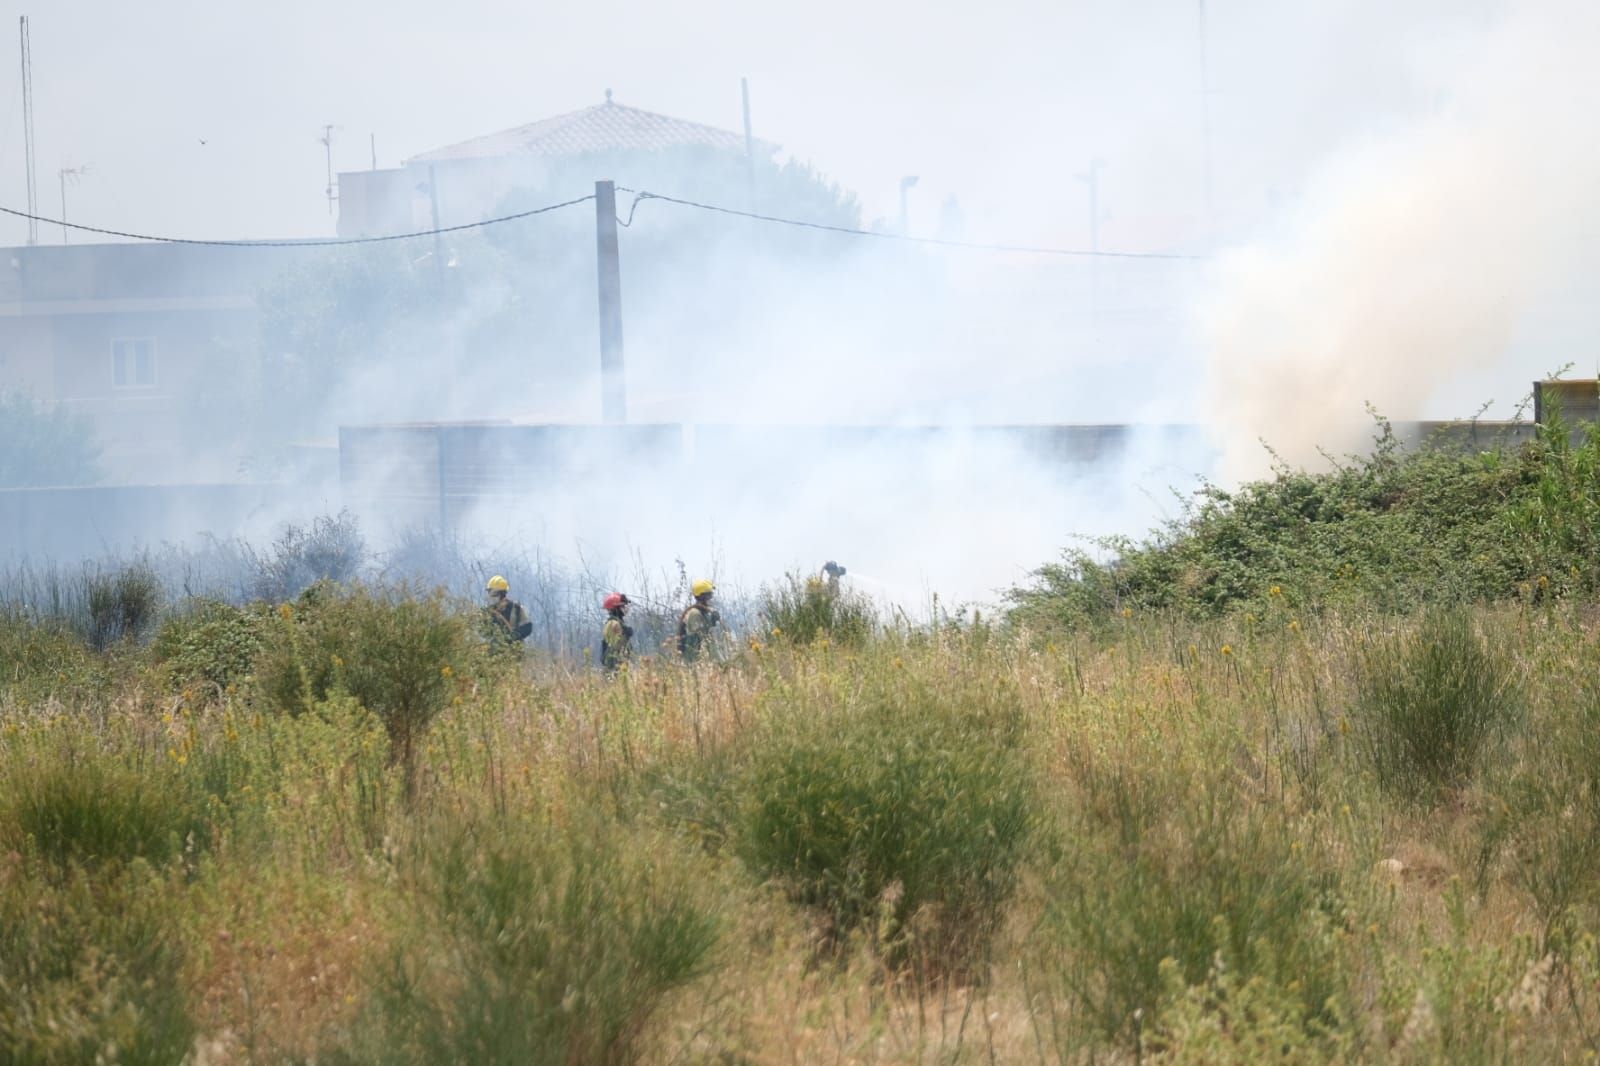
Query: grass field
1253, 838
1312, 775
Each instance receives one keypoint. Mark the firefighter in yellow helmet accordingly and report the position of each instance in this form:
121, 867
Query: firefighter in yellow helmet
697, 621
508, 622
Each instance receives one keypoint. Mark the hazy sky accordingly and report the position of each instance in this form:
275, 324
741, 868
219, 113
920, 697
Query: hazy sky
998, 104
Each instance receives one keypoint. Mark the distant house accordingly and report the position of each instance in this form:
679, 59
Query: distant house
471, 179
125, 333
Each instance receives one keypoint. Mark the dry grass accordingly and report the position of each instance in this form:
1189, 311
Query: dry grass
290, 917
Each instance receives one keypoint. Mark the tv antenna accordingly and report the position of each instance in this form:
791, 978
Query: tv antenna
27, 134
68, 174
326, 141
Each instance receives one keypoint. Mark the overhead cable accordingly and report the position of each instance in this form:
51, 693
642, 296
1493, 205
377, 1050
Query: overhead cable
313, 242
641, 195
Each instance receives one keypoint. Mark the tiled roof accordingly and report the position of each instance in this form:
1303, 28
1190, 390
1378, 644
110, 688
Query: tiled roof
604, 127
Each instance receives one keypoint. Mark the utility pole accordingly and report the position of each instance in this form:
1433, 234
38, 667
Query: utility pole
749, 140
907, 183
27, 133
438, 238
613, 387
1205, 113
1092, 180
327, 144
372, 139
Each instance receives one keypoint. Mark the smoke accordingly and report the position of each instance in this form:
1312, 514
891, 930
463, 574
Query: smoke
1435, 251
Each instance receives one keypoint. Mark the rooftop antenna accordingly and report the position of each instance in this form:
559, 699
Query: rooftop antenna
27, 134
64, 173
327, 144
1205, 115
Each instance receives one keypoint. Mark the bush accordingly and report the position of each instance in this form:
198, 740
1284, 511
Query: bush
1161, 870
398, 654
43, 660
802, 610
94, 807
122, 605
332, 549
212, 642
1396, 530
537, 944
90, 969
1427, 701
905, 817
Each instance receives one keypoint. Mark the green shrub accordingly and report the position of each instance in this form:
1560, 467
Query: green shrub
1160, 869
1427, 701
122, 605
905, 817
1396, 529
399, 654
43, 660
78, 806
535, 944
90, 968
801, 610
212, 642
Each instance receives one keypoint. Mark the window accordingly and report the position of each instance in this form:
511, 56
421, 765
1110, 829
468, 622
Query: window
133, 362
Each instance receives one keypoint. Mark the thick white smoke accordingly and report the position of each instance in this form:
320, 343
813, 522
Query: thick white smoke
1418, 254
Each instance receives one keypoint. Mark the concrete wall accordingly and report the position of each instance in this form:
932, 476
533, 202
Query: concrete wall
431, 473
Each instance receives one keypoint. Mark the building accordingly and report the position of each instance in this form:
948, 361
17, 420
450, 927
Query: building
125, 335
467, 182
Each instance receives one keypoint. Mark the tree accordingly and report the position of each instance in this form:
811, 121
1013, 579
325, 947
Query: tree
43, 444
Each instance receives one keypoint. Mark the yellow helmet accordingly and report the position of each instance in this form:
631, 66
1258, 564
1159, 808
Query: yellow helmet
702, 588
498, 584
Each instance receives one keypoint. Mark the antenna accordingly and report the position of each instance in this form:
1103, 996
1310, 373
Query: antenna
27, 134
327, 143
64, 173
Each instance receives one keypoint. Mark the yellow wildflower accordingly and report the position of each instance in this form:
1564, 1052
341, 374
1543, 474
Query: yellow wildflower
1276, 590
1294, 625
446, 672
285, 612
1227, 649
1127, 612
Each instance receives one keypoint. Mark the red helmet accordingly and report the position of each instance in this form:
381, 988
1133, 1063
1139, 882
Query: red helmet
613, 601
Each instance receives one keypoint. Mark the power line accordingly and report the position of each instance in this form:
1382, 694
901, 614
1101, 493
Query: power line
854, 232
639, 197
320, 242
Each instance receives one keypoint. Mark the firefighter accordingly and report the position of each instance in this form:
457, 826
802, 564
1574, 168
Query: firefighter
616, 639
697, 622
831, 573
508, 621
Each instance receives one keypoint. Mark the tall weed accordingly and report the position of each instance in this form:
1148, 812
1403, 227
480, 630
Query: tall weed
90, 968
537, 944
906, 817
1428, 701
75, 805
1166, 873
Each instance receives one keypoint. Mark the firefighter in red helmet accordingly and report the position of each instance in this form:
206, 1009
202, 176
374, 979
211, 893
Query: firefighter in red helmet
616, 639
